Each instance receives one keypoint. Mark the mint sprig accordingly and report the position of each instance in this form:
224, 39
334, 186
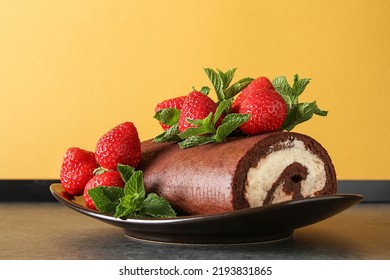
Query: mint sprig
130, 201
297, 112
221, 83
204, 130
106, 198
171, 134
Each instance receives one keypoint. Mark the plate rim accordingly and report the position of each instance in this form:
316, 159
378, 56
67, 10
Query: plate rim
270, 207
234, 227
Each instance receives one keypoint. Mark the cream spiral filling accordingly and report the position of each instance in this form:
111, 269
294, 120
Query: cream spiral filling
261, 178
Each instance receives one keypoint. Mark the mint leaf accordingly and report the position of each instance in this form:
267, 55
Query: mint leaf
221, 83
202, 126
196, 140
296, 112
194, 131
223, 108
205, 131
168, 116
126, 171
135, 185
301, 113
206, 121
155, 206
237, 87
317, 111
299, 85
106, 199
226, 77
229, 124
130, 201
128, 206
171, 134
216, 81
282, 86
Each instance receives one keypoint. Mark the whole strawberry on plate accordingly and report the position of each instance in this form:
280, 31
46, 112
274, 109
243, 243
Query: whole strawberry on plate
77, 169
120, 145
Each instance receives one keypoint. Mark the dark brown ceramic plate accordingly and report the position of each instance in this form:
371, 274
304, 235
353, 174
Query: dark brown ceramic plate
260, 224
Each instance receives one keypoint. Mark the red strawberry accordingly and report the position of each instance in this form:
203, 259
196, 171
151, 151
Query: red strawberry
76, 170
119, 145
268, 111
259, 84
196, 106
176, 102
106, 179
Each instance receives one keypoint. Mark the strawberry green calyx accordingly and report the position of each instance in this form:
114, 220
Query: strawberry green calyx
296, 112
100, 170
205, 90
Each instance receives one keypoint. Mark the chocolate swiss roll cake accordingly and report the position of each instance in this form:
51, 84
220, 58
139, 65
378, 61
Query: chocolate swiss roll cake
240, 173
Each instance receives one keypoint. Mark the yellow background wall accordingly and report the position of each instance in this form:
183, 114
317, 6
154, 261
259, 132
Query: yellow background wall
71, 70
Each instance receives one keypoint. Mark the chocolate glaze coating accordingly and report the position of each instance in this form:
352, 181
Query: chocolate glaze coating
211, 178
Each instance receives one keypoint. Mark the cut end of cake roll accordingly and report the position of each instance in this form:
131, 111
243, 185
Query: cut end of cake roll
240, 173
295, 167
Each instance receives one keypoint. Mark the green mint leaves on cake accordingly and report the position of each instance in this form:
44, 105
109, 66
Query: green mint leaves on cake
296, 112
199, 120
130, 201
213, 128
246, 107
205, 130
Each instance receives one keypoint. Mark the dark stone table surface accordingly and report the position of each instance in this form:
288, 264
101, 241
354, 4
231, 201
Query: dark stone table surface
51, 231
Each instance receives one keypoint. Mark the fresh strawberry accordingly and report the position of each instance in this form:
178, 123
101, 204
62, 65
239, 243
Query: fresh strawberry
268, 111
76, 170
119, 145
259, 84
105, 179
176, 102
196, 106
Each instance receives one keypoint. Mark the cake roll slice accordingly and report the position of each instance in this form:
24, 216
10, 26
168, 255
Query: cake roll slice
240, 173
